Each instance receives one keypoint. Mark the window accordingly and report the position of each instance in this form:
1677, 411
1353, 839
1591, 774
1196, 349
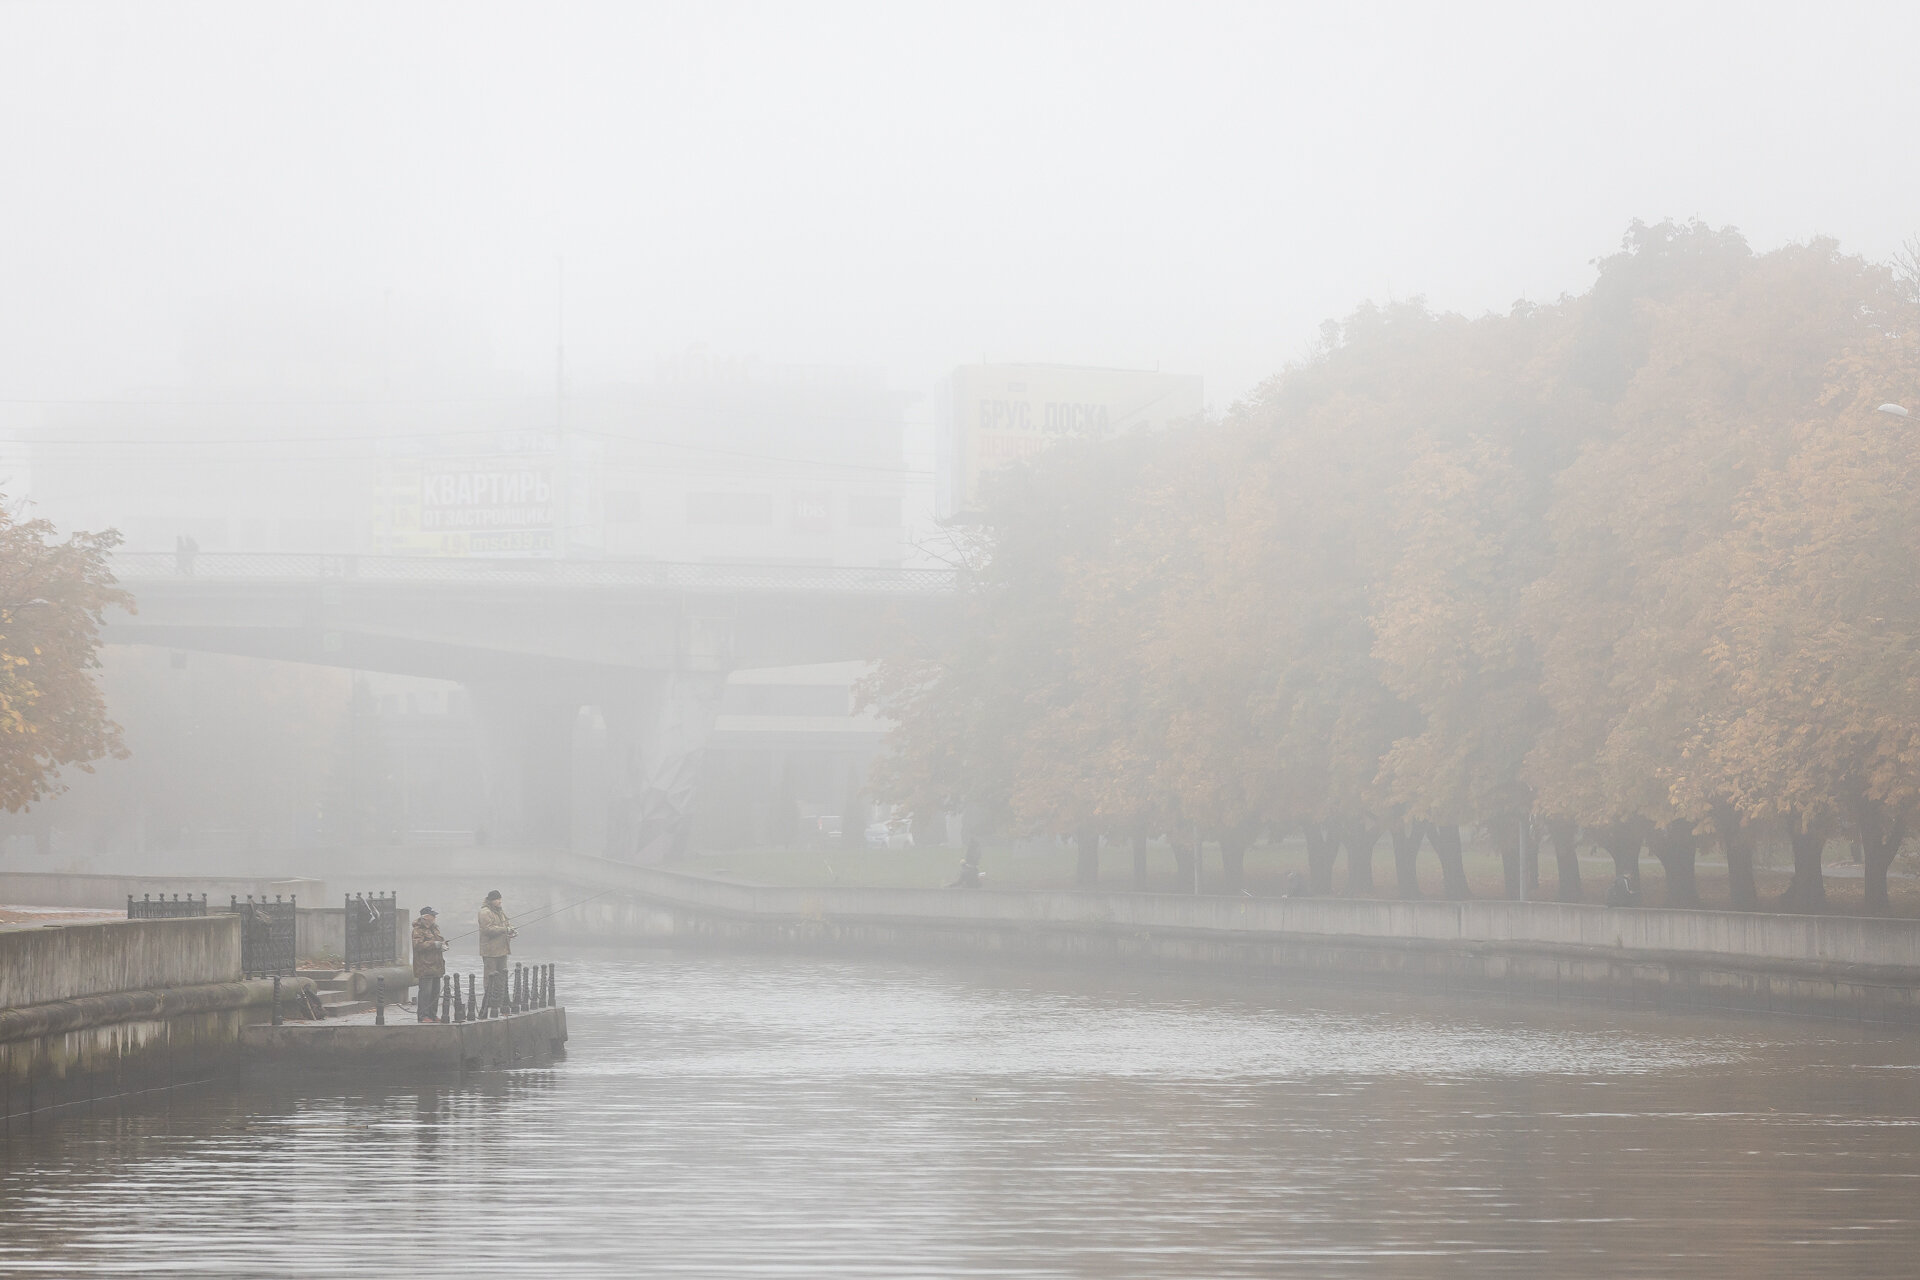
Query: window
870, 511
625, 506
729, 508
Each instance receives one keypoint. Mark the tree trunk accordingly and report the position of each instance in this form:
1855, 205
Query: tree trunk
1233, 861
1361, 834
1530, 839
1406, 837
1677, 847
1139, 861
1185, 861
1622, 841
1321, 850
1453, 867
1565, 835
1507, 834
1086, 863
1880, 835
1736, 842
1807, 891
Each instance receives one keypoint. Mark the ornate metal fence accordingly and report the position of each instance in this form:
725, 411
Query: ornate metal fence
149, 909
266, 935
372, 930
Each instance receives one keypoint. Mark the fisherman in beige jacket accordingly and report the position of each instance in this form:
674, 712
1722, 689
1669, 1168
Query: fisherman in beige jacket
496, 944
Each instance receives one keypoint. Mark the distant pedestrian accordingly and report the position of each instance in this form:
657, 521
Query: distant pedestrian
185, 548
970, 874
1623, 892
496, 944
429, 963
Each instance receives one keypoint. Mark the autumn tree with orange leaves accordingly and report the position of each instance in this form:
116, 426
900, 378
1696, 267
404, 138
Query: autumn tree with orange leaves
53, 596
1635, 566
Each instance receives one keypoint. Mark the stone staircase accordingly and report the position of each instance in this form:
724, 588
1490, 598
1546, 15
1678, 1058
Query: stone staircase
336, 992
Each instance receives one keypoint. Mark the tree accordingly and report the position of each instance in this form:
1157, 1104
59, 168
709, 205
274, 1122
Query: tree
53, 597
1450, 640
1817, 634
1734, 351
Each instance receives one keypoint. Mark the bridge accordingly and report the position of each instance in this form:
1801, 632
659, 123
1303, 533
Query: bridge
648, 643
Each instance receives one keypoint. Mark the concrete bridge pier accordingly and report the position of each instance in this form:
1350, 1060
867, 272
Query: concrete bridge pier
526, 761
657, 731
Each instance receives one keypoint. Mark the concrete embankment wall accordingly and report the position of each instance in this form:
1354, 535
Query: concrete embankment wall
320, 929
91, 1011
1855, 967
1829, 965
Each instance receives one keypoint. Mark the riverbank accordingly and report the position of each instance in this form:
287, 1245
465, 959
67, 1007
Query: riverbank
107, 1008
1827, 965
1047, 864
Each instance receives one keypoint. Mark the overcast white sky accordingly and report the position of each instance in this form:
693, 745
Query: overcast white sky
902, 186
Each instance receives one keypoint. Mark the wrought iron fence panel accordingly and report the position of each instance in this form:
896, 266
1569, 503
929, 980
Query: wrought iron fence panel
372, 930
150, 908
267, 934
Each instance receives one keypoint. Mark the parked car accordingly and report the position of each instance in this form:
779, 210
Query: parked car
895, 833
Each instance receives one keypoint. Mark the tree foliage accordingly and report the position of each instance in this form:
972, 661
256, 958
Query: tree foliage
1638, 561
53, 596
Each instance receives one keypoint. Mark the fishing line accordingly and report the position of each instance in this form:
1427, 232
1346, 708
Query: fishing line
539, 917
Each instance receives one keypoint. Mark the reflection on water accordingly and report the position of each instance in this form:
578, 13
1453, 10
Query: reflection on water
755, 1115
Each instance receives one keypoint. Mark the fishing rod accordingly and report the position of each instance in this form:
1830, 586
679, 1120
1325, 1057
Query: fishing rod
540, 917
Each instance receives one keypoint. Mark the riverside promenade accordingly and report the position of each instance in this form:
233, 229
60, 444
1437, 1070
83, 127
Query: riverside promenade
95, 1009
1820, 965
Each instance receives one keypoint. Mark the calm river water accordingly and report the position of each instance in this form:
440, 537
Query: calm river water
762, 1115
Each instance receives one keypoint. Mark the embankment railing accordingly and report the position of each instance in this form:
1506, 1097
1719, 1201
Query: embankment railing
147, 908
372, 931
267, 933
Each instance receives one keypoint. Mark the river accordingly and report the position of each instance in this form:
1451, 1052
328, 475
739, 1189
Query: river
757, 1115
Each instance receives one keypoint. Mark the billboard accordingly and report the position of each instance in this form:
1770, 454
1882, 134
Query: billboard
1000, 413
519, 499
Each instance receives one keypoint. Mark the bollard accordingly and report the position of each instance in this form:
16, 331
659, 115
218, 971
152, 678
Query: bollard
555, 992
446, 1001
513, 1005
546, 986
379, 1002
472, 1012
276, 999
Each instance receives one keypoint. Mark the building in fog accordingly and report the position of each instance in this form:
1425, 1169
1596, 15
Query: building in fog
710, 461
992, 415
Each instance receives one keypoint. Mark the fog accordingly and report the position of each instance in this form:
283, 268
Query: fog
1030, 604
213, 200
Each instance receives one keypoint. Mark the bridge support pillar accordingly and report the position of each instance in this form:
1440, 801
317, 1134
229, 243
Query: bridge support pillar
656, 735
526, 758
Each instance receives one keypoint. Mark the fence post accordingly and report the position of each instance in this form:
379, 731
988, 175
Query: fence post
380, 1002
276, 999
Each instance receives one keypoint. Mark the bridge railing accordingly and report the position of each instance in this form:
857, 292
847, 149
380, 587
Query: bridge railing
273, 566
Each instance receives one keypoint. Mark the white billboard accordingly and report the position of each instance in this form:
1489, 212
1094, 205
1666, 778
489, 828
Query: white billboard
1001, 413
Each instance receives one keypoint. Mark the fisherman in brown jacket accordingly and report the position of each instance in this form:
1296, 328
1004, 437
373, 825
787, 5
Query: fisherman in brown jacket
429, 963
496, 944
